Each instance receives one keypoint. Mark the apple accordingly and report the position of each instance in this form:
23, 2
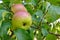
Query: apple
21, 20
18, 7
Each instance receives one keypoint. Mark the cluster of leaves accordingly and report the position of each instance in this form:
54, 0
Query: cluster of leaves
43, 13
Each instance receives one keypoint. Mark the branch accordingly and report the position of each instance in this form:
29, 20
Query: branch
54, 34
48, 32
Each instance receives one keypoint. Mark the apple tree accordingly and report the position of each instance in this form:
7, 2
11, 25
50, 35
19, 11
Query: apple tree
30, 20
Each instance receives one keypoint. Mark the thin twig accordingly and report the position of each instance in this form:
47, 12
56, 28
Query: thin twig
54, 34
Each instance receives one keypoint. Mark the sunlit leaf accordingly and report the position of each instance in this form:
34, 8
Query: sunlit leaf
51, 37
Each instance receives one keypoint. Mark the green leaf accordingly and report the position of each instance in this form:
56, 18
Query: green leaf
45, 26
45, 6
53, 13
0, 38
6, 1
27, 1
39, 36
6, 4
15, 2
34, 2
8, 16
51, 37
36, 17
3, 14
4, 28
39, 13
1, 6
6, 37
44, 32
31, 32
29, 8
54, 2
22, 34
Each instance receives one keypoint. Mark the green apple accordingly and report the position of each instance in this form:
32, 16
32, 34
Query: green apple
18, 7
21, 20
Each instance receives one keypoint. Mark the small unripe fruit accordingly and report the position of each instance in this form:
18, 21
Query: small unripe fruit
21, 20
18, 7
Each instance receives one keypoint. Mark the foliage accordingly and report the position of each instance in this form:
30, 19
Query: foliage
44, 13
